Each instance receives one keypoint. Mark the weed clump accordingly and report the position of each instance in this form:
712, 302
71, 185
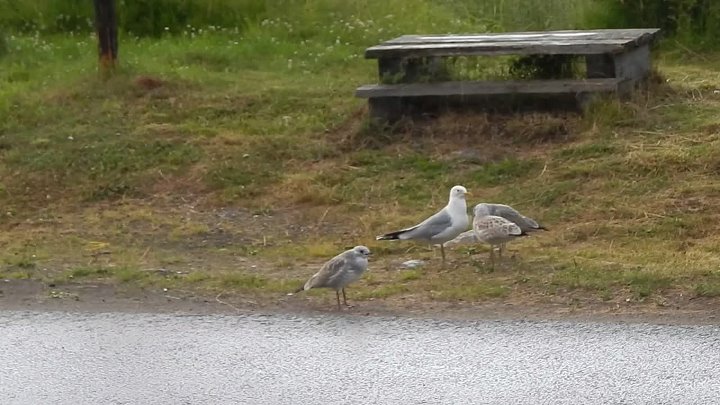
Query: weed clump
3, 45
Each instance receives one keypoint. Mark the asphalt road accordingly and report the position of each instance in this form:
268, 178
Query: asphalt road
128, 358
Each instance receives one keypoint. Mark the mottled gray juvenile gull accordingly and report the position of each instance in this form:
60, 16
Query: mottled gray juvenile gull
495, 230
511, 214
340, 271
465, 238
445, 225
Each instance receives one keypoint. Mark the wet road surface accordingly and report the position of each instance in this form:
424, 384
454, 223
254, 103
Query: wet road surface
124, 358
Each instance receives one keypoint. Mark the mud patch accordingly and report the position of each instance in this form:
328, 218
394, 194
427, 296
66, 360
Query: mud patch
34, 295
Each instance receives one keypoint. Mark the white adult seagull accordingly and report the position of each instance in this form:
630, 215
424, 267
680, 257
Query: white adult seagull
444, 226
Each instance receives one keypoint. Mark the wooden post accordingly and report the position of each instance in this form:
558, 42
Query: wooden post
106, 29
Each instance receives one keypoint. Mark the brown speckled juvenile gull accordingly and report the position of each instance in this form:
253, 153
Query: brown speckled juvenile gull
527, 224
495, 230
465, 238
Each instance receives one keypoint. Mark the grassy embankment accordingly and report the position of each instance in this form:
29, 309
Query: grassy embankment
238, 161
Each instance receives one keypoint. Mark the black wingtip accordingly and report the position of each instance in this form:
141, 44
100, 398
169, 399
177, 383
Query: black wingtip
543, 228
302, 288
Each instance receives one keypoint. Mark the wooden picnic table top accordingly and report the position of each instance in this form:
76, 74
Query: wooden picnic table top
573, 42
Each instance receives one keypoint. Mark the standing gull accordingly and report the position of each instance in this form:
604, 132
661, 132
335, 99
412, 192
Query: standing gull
527, 224
501, 210
340, 271
511, 214
467, 237
445, 225
495, 230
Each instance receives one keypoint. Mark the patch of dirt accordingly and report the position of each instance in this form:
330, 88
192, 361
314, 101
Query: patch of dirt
183, 234
35, 295
189, 183
147, 83
489, 137
349, 134
524, 130
453, 129
217, 226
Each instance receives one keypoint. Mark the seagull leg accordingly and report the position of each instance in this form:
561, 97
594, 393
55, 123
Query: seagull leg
502, 245
337, 296
442, 252
492, 257
344, 298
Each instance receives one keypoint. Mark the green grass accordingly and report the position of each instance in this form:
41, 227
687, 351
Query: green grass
16, 275
22, 262
505, 171
127, 275
708, 289
644, 283
238, 160
383, 291
595, 280
196, 277
81, 272
474, 292
410, 275
122, 274
234, 280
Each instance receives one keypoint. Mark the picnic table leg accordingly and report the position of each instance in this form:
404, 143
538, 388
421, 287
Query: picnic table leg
390, 70
400, 70
600, 66
431, 67
385, 109
633, 65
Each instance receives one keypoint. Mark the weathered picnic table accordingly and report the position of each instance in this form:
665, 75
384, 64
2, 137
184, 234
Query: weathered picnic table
616, 60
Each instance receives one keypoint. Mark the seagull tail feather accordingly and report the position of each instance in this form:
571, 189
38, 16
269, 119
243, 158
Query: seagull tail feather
390, 236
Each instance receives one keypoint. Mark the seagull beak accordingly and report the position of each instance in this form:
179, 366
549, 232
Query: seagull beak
468, 193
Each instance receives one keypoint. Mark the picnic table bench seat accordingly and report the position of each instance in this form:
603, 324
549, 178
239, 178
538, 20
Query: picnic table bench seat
471, 88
